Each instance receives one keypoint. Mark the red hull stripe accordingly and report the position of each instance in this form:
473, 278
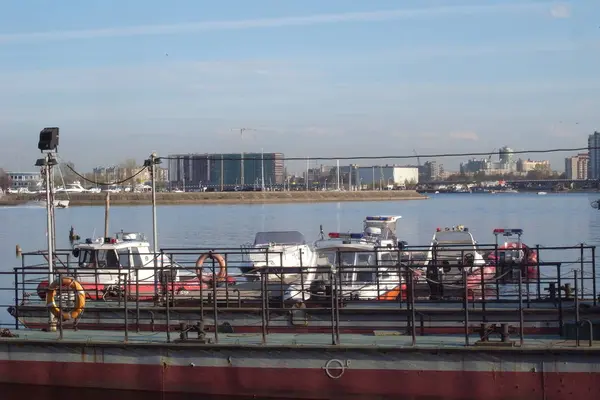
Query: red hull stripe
307, 383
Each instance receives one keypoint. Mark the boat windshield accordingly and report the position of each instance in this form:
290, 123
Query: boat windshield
98, 258
347, 261
453, 237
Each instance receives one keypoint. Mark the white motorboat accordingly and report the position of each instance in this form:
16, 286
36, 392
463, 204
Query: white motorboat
113, 266
452, 253
74, 187
277, 249
364, 264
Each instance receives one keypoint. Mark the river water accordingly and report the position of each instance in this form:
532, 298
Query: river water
550, 220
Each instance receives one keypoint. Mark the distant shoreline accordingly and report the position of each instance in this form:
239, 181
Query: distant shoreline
134, 199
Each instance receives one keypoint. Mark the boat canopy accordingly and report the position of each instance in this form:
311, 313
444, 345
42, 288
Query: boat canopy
453, 237
279, 237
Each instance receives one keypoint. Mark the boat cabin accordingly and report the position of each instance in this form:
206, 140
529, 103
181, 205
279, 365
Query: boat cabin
454, 246
286, 249
366, 262
107, 258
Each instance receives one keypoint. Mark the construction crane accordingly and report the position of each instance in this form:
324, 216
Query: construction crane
418, 159
242, 130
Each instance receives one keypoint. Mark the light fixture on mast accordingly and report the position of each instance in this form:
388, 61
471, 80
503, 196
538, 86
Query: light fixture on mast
48, 142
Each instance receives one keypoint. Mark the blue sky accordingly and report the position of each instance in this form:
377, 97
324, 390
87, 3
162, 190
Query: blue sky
323, 78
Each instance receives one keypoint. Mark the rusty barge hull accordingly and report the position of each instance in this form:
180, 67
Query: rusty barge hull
370, 367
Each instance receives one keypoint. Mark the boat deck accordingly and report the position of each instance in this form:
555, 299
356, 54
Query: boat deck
378, 339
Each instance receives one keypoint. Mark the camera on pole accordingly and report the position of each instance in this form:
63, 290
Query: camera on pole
48, 139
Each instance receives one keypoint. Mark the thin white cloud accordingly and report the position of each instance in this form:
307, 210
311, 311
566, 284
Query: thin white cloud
466, 135
561, 11
368, 16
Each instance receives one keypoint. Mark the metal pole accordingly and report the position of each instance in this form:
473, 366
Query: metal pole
262, 170
306, 180
49, 209
221, 172
521, 316
577, 320
153, 176
338, 175
106, 214
373, 182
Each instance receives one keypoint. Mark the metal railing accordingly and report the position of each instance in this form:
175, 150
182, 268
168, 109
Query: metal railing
406, 291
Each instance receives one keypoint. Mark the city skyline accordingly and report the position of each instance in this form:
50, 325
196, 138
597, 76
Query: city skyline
311, 78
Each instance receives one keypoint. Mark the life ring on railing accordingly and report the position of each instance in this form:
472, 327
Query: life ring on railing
220, 277
69, 283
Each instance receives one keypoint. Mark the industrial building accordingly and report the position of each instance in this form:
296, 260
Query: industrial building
214, 170
576, 167
381, 176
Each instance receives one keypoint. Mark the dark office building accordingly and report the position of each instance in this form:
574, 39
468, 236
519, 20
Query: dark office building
193, 170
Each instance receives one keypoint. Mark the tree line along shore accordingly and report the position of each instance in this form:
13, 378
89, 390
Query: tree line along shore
89, 199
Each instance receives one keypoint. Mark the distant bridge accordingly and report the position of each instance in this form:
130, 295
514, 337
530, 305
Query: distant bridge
521, 182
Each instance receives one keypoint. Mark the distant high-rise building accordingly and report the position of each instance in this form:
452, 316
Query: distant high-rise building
594, 156
507, 161
576, 167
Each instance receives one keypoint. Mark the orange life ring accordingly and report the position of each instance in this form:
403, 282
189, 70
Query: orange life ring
220, 277
69, 283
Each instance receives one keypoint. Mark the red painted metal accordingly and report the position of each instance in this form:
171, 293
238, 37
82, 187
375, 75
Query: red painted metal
307, 383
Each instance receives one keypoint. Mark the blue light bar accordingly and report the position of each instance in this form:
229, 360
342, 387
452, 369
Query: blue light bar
336, 235
379, 218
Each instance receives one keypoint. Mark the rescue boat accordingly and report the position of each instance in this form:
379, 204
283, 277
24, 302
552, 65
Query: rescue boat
365, 265
125, 266
514, 253
454, 253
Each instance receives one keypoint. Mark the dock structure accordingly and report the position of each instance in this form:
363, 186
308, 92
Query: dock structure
509, 336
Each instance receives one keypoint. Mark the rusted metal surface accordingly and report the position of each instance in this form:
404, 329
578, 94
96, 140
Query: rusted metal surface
308, 372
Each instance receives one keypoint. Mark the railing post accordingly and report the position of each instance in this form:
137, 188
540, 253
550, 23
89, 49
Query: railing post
466, 306
577, 322
126, 309
413, 317
60, 307
581, 257
263, 308
538, 272
16, 298
215, 302
333, 301
560, 297
521, 316
594, 275
137, 299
